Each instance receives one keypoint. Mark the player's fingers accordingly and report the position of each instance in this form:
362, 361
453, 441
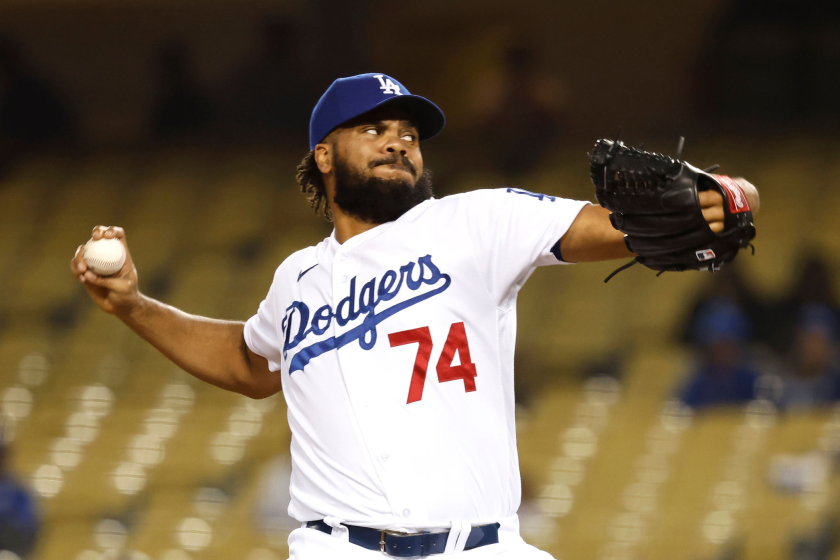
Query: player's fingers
119, 233
115, 284
98, 232
114, 232
710, 198
716, 227
714, 214
94, 280
77, 263
78, 266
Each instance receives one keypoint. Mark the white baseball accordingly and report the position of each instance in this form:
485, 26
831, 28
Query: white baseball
105, 256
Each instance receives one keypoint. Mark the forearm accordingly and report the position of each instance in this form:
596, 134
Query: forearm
209, 349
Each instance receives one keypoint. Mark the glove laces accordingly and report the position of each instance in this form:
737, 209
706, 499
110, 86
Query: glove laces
620, 268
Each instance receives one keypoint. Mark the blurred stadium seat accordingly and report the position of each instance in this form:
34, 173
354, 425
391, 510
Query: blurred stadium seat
106, 429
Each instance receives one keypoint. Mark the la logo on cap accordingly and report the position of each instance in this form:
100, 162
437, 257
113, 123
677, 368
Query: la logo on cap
347, 98
387, 86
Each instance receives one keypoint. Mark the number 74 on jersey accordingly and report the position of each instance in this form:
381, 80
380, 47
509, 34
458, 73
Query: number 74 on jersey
455, 341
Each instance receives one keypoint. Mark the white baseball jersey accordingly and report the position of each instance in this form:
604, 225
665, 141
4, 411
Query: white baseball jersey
396, 355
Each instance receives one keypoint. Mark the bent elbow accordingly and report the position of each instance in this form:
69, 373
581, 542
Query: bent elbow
257, 387
260, 392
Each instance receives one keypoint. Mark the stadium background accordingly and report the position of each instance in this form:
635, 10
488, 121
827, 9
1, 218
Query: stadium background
183, 121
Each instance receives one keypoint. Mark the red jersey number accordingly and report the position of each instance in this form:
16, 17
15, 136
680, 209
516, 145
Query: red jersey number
421, 363
456, 341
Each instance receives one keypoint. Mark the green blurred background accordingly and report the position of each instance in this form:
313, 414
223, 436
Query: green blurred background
183, 121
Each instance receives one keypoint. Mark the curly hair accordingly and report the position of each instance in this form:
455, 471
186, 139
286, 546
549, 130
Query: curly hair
312, 185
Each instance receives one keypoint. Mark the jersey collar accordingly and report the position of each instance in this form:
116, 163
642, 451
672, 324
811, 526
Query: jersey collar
355, 241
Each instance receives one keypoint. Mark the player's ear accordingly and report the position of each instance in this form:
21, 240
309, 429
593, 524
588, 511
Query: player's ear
323, 157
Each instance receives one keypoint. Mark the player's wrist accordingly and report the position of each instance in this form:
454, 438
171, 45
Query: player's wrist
132, 308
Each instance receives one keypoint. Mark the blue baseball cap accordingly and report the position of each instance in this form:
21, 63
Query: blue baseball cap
347, 98
721, 320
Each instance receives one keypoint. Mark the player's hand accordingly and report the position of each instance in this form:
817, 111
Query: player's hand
750, 192
712, 203
115, 294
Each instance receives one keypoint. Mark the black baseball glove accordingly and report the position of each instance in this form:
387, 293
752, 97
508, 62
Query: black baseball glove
653, 200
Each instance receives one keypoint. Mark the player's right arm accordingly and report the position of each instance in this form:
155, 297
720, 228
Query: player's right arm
209, 349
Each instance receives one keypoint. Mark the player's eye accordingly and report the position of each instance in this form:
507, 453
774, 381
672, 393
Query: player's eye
371, 130
409, 137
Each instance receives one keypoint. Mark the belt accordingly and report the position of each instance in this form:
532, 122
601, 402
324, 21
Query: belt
404, 545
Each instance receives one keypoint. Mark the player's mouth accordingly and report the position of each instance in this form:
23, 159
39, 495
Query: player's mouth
398, 167
399, 162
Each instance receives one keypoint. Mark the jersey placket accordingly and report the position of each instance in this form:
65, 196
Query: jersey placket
372, 408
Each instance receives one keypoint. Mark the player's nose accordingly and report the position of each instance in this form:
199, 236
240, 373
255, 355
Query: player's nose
393, 142
394, 145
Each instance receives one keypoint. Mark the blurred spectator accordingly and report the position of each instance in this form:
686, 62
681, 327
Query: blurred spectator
270, 97
32, 114
814, 285
729, 285
820, 544
523, 114
813, 378
19, 522
724, 375
180, 108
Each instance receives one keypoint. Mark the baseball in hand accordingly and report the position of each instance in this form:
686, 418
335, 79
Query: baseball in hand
105, 256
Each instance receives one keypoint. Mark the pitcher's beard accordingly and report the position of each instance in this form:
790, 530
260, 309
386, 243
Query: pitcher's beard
376, 200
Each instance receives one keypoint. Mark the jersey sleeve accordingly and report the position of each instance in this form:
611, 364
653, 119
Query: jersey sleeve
512, 232
262, 335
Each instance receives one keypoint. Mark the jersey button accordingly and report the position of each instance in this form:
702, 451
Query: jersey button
344, 279
406, 512
385, 457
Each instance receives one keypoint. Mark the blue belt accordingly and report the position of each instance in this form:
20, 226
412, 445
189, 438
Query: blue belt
402, 545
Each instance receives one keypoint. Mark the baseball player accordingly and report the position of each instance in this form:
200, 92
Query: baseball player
392, 339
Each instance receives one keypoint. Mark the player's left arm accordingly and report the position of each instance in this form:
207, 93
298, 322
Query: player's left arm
592, 237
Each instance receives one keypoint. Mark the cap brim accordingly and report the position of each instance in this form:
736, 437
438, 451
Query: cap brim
428, 116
